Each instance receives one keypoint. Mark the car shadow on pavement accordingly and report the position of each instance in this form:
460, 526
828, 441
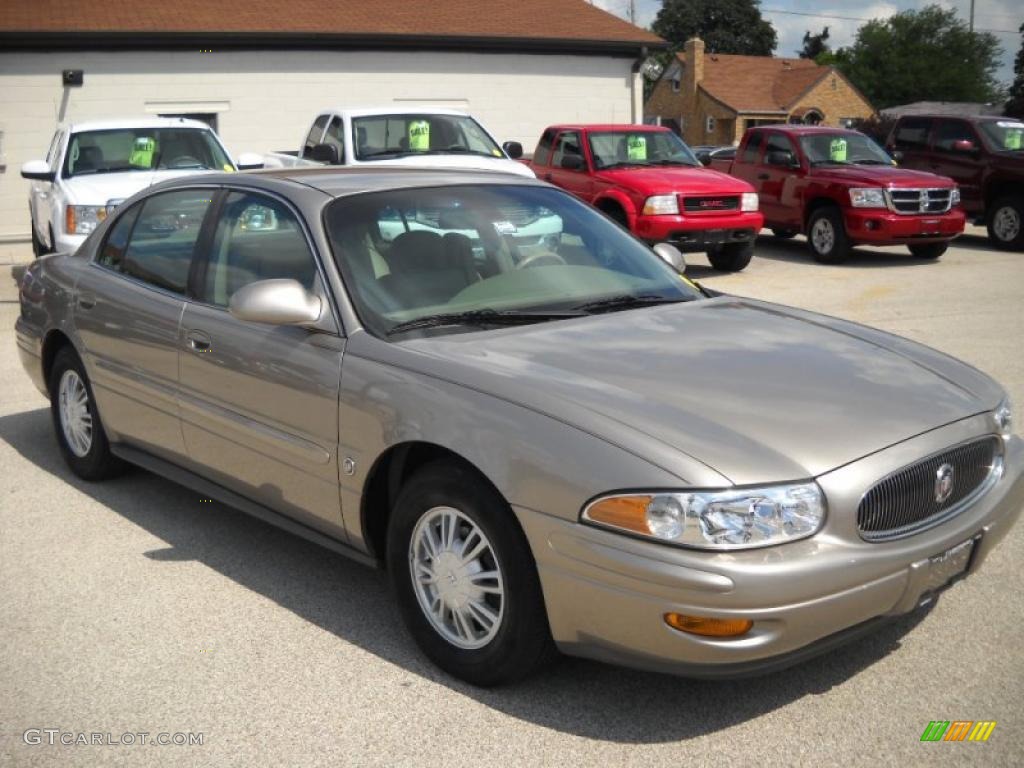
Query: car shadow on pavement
353, 602
795, 251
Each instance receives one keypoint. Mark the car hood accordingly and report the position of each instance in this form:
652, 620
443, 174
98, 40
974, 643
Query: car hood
694, 181
880, 175
101, 188
758, 392
457, 161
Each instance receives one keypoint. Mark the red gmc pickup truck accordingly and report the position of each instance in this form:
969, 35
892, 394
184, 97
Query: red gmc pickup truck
649, 181
841, 189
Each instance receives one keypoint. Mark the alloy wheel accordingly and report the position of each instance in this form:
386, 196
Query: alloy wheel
1006, 223
823, 235
75, 418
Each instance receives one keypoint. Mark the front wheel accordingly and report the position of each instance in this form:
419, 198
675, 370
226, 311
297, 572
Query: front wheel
826, 236
1006, 224
928, 250
731, 257
465, 578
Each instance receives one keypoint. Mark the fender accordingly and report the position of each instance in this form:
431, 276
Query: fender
622, 200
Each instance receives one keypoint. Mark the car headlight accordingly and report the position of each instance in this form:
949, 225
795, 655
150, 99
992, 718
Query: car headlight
737, 518
749, 202
83, 219
954, 197
659, 205
867, 198
1003, 416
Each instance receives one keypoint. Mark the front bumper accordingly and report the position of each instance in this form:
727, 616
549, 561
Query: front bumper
877, 226
699, 232
606, 594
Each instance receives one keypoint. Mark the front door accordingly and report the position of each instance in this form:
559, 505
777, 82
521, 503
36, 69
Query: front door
259, 402
957, 162
574, 180
777, 175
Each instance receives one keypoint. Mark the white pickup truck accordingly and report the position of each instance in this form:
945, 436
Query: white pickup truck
92, 166
432, 137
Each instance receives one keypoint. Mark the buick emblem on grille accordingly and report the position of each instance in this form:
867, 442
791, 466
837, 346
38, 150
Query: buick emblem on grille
943, 483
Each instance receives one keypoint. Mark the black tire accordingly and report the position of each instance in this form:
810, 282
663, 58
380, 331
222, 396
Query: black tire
617, 215
97, 463
824, 249
37, 244
522, 641
731, 257
1005, 222
928, 250
785, 234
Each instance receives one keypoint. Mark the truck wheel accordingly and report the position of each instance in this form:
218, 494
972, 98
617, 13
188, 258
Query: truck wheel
1006, 224
785, 234
465, 578
826, 236
617, 215
928, 250
731, 257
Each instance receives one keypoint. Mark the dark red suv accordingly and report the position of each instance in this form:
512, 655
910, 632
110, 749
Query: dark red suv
983, 155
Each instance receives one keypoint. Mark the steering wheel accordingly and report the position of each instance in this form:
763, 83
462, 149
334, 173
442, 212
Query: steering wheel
185, 161
541, 259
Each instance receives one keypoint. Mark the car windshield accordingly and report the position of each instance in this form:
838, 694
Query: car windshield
612, 149
458, 258
1004, 135
842, 148
382, 137
144, 149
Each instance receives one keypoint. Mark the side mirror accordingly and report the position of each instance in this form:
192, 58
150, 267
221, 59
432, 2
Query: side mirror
37, 170
964, 145
249, 161
324, 153
275, 302
671, 256
705, 158
781, 157
513, 149
572, 162
897, 155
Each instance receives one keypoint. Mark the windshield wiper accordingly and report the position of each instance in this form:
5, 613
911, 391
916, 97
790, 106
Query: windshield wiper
672, 162
628, 301
480, 317
622, 165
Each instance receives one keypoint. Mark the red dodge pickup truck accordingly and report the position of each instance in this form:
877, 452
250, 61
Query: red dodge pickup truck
649, 181
841, 189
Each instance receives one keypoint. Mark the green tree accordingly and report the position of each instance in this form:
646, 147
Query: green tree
814, 45
926, 55
726, 26
1015, 104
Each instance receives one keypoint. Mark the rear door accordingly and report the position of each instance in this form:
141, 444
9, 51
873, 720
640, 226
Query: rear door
911, 139
128, 308
962, 165
259, 402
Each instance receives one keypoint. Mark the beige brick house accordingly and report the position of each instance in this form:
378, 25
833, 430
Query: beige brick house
713, 98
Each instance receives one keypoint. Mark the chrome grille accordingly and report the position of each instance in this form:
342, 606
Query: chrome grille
905, 502
711, 204
920, 200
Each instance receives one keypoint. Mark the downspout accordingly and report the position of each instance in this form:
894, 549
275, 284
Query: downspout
637, 87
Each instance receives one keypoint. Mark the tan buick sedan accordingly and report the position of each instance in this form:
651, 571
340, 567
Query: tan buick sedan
548, 436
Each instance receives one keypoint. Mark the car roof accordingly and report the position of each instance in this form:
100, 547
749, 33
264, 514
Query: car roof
135, 122
631, 127
394, 109
802, 130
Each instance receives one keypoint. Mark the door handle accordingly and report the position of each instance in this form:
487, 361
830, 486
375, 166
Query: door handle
86, 300
764, 176
199, 341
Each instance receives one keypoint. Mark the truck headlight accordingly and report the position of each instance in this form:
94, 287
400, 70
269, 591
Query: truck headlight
749, 202
1003, 417
83, 219
867, 198
660, 205
737, 518
954, 197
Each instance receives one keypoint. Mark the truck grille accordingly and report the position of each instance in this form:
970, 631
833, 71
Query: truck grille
920, 201
908, 500
712, 204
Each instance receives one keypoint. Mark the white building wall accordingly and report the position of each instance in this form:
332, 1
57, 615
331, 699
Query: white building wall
265, 100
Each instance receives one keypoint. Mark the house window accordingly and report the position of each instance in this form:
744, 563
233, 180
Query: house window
834, 84
675, 85
709, 125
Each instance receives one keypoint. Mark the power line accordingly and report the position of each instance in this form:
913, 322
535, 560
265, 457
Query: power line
862, 18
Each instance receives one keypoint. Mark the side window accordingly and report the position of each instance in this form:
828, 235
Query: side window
912, 134
112, 253
160, 246
335, 136
313, 138
543, 153
778, 143
948, 132
257, 238
568, 143
752, 149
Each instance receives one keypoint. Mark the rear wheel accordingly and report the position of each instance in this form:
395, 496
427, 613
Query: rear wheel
785, 234
465, 578
928, 250
826, 236
1006, 223
731, 257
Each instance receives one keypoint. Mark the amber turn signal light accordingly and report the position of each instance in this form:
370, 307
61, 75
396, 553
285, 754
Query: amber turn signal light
628, 512
701, 625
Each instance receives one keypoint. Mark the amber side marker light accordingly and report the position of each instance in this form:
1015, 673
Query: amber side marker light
701, 625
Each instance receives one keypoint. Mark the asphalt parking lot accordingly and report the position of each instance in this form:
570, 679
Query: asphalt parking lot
133, 606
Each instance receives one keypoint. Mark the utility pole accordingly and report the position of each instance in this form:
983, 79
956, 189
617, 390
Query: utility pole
972, 17
632, 12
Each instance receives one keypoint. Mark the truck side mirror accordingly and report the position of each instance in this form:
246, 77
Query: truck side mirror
513, 149
704, 157
324, 153
249, 161
781, 157
37, 170
964, 145
897, 155
572, 162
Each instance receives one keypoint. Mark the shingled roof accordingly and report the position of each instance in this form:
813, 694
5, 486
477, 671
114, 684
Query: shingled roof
758, 83
571, 25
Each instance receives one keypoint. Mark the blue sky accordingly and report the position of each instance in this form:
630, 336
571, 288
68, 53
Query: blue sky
1000, 16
